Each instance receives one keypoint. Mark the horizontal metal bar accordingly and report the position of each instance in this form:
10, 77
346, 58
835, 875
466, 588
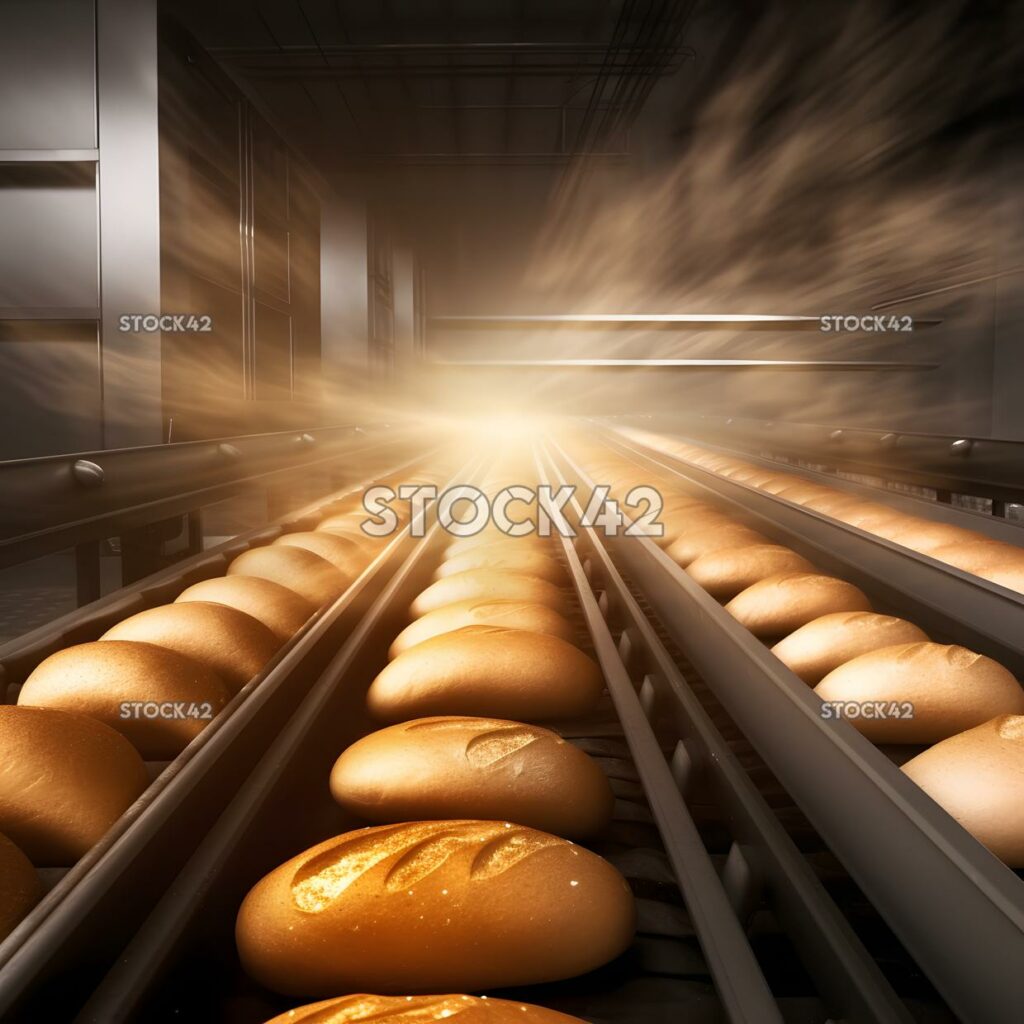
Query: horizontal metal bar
48, 156
738, 978
903, 299
342, 50
74, 313
831, 951
681, 321
687, 364
988, 467
362, 70
957, 909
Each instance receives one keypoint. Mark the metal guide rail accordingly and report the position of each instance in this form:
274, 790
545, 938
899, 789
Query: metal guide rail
985, 467
182, 965
947, 601
54, 502
956, 908
93, 908
763, 862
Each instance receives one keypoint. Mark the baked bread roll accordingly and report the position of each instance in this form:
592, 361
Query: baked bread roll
537, 618
802, 491
690, 546
835, 504
823, 644
99, 679
407, 1009
723, 574
281, 610
776, 606
436, 906
529, 563
488, 585
309, 575
20, 889
349, 524
978, 555
870, 516
487, 671
230, 643
473, 768
946, 690
925, 536
344, 553
66, 779
1009, 576
978, 777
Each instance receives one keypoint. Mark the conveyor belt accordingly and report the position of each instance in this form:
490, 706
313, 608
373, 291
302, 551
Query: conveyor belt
93, 907
912, 861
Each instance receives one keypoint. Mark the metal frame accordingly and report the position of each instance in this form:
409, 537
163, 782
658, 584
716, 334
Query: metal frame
835, 957
83, 922
51, 503
911, 859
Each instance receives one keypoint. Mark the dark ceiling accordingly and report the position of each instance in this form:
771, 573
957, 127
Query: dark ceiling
446, 81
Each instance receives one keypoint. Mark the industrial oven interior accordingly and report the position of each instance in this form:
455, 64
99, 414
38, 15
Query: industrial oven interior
511, 510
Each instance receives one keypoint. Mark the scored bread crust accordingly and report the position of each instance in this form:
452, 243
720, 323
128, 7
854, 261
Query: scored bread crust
421, 1010
462, 767
436, 906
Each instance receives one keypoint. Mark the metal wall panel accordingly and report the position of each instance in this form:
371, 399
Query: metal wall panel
48, 238
48, 74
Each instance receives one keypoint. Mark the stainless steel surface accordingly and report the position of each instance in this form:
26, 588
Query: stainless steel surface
678, 321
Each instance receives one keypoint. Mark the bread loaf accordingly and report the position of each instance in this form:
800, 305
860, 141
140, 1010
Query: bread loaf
724, 573
345, 553
978, 555
408, 1009
690, 546
66, 779
978, 777
309, 575
487, 768
487, 671
776, 606
20, 889
281, 610
106, 680
350, 526
433, 907
925, 536
491, 537
529, 563
230, 643
946, 690
823, 644
537, 618
488, 585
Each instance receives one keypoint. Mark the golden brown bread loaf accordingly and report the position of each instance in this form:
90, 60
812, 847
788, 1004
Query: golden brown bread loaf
98, 679
925, 536
401, 1009
724, 573
487, 768
537, 618
949, 689
66, 779
309, 575
281, 610
978, 777
435, 906
230, 643
691, 545
350, 526
823, 644
978, 555
870, 516
529, 563
834, 504
20, 889
776, 606
487, 671
344, 553
408, 1009
488, 585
